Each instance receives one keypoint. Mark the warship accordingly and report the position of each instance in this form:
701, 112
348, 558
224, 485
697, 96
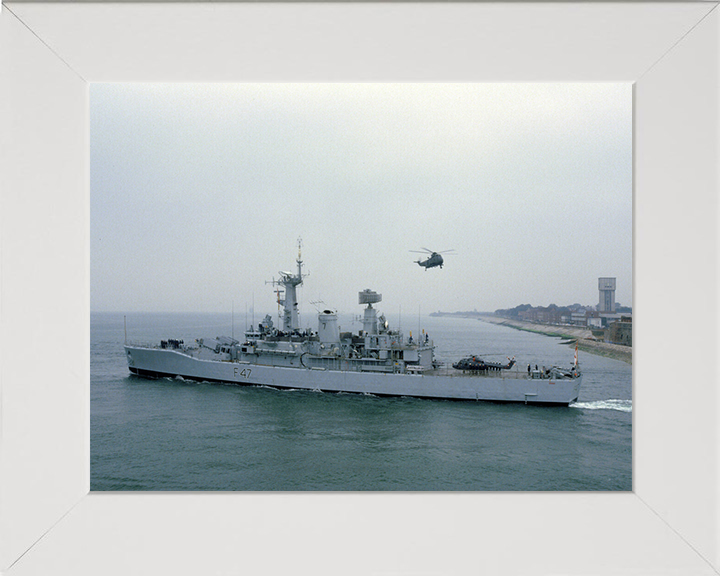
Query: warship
376, 360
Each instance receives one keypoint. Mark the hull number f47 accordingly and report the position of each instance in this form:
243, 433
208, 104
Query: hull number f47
244, 373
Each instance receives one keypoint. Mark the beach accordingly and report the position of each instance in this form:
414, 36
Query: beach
586, 341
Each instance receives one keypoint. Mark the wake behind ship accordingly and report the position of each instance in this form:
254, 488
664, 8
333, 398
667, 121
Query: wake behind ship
376, 360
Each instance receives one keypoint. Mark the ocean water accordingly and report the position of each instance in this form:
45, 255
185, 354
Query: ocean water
176, 435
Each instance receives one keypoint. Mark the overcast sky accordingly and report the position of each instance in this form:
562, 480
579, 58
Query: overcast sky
199, 194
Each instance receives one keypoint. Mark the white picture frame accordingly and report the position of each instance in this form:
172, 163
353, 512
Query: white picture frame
50, 523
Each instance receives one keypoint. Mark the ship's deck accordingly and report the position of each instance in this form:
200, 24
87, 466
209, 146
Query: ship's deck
332, 364
453, 372
513, 374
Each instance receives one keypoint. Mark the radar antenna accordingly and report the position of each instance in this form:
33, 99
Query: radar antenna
369, 320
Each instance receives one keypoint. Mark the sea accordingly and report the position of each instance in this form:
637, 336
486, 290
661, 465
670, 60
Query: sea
169, 434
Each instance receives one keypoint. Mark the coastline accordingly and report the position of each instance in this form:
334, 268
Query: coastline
586, 342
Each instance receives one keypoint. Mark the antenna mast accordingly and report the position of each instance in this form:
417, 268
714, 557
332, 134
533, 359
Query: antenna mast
290, 282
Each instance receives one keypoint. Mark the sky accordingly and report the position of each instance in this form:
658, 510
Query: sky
200, 192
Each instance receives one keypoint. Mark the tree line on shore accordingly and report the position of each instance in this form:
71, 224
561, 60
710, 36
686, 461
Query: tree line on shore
523, 311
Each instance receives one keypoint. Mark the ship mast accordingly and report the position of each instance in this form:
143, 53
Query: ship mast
290, 282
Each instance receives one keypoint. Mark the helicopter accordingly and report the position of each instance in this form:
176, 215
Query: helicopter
435, 258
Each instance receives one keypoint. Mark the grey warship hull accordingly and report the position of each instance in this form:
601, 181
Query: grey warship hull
438, 383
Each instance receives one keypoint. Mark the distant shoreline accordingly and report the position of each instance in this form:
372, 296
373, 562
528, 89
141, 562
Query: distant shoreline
584, 337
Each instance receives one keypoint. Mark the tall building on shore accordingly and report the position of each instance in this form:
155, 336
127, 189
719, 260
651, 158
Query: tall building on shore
606, 286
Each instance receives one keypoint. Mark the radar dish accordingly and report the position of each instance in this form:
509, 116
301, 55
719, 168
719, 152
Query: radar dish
369, 297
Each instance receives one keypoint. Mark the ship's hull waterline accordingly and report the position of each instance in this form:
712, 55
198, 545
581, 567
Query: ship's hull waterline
434, 384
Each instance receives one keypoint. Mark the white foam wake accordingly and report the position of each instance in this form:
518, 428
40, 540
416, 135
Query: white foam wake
612, 404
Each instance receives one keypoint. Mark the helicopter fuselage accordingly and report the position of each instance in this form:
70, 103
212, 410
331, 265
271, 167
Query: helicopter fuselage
434, 260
